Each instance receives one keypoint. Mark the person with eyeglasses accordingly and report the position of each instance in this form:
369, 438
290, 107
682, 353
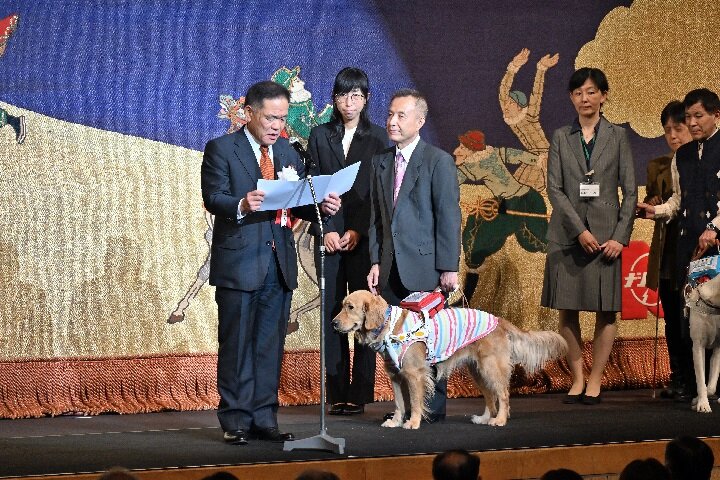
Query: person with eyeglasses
349, 137
253, 263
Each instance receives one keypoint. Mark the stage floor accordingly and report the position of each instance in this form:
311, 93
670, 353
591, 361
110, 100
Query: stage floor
70, 444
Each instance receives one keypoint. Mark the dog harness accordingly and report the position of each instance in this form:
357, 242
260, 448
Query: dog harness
445, 333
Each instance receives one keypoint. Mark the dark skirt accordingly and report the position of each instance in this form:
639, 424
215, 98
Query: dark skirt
574, 280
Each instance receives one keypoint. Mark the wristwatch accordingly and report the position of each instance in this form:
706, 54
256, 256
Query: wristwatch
711, 226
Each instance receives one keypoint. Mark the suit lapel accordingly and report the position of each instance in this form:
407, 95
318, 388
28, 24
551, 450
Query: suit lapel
603, 136
245, 155
337, 149
387, 175
573, 140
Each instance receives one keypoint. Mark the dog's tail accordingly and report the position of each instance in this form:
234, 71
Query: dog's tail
533, 349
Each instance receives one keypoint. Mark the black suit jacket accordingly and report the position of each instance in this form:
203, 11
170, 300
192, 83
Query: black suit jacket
328, 157
241, 250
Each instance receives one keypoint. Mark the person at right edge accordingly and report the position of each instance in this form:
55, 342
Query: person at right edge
414, 217
698, 171
662, 269
349, 137
589, 227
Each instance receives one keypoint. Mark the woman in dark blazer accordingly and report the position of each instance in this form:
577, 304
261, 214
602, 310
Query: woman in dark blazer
348, 138
589, 227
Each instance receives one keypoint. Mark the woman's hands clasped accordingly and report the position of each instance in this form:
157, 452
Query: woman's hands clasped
610, 249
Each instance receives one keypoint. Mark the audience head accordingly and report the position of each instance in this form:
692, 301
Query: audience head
702, 112
118, 473
689, 458
672, 118
456, 465
648, 469
561, 474
317, 475
222, 475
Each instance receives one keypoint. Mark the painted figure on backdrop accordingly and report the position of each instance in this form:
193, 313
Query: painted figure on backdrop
302, 116
589, 161
516, 178
253, 264
523, 115
348, 138
8, 25
415, 218
514, 209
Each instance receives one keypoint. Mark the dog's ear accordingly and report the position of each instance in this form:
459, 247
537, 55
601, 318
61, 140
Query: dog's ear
374, 307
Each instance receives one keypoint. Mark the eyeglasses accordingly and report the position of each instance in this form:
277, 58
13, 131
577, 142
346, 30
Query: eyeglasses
354, 97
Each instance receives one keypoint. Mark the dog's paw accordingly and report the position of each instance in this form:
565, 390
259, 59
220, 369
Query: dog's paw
480, 419
497, 422
703, 405
390, 424
411, 425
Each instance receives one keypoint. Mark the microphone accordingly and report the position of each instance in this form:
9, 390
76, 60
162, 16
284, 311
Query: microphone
304, 155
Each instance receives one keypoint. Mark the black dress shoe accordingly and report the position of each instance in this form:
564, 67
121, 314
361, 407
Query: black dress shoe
272, 434
572, 399
350, 409
435, 418
337, 409
237, 437
588, 400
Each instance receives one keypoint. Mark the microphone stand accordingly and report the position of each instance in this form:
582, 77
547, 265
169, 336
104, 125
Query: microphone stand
322, 441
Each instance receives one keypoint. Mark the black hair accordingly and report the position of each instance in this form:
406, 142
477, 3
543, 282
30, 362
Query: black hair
689, 458
648, 469
597, 76
707, 98
265, 90
561, 474
455, 464
674, 111
317, 475
348, 79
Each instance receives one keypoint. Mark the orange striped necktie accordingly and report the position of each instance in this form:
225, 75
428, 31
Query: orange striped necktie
266, 164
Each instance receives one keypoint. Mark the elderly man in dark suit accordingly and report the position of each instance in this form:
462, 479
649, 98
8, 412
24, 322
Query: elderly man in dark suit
415, 216
253, 263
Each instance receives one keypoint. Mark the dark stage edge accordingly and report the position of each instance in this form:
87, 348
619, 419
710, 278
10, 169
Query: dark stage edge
73, 445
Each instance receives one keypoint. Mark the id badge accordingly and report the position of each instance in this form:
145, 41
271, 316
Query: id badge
589, 190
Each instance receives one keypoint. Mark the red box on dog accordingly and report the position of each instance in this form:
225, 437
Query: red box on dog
430, 302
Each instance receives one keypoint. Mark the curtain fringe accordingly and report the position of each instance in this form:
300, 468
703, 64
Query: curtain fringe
91, 386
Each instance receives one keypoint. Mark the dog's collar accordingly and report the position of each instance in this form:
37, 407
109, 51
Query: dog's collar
376, 331
700, 303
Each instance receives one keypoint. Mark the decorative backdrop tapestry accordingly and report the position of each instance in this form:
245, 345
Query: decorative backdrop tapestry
105, 108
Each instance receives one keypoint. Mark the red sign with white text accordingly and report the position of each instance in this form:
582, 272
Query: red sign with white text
637, 299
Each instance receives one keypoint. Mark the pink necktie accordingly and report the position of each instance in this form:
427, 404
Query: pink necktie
400, 166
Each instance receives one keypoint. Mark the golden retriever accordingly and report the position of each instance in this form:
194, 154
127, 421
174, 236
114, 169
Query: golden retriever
490, 360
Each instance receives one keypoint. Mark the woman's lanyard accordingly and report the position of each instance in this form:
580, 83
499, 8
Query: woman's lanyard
587, 149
